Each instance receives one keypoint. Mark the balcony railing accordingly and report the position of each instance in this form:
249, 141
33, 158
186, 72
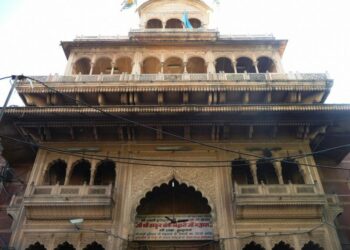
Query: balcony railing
275, 190
219, 77
261, 201
62, 202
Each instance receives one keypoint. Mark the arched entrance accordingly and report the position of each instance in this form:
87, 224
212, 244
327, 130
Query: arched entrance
174, 216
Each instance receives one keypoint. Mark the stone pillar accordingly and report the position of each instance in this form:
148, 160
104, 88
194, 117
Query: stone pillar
278, 169
234, 66
185, 66
91, 67
255, 63
93, 172
209, 58
253, 170
68, 170
162, 67
112, 66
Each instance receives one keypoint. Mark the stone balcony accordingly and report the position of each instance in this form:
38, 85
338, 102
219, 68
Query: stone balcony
65, 202
178, 34
273, 78
278, 201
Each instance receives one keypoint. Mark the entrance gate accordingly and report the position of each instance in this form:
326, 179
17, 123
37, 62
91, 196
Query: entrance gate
173, 216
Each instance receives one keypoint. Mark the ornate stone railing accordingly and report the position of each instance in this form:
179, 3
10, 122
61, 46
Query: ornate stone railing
86, 191
221, 77
64, 202
276, 190
278, 201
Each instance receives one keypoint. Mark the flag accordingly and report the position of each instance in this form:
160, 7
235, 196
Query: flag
186, 21
128, 4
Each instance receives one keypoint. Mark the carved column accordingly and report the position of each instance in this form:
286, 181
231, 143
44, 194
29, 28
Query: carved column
68, 171
255, 63
253, 170
112, 68
278, 169
93, 172
162, 67
92, 64
234, 66
185, 66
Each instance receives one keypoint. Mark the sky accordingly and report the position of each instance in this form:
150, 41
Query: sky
318, 32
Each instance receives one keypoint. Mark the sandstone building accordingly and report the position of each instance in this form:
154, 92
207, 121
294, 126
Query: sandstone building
174, 138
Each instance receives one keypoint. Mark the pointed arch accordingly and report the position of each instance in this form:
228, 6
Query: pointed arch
123, 65
161, 200
224, 64
291, 172
81, 173
151, 65
282, 246
82, 66
56, 172
266, 172
65, 246
312, 246
196, 65
173, 23
245, 64
105, 173
154, 23
240, 172
36, 246
103, 65
94, 246
253, 246
266, 64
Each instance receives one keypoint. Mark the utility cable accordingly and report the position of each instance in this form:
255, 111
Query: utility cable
138, 123
130, 161
165, 132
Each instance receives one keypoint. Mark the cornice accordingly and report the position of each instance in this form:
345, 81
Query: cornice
60, 110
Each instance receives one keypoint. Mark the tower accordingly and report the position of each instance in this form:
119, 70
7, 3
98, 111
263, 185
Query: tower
174, 137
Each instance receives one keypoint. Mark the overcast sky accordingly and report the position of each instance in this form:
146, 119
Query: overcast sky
318, 32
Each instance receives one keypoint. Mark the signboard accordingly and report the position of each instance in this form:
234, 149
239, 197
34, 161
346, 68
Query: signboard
158, 228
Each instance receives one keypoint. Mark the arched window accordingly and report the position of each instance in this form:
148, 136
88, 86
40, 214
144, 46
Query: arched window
56, 172
151, 65
105, 173
81, 173
123, 65
282, 246
102, 66
241, 172
224, 64
244, 64
291, 172
173, 65
174, 24
196, 65
154, 24
253, 246
65, 246
196, 23
266, 64
36, 246
311, 246
266, 172
82, 66
94, 246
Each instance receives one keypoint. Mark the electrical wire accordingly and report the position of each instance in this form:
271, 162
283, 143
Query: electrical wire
6, 77
138, 123
130, 160
168, 133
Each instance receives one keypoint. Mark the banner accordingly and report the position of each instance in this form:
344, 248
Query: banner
193, 227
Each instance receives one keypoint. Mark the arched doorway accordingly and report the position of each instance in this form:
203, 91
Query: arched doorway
174, 216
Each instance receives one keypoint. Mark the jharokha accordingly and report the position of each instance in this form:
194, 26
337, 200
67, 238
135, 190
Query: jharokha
175, 137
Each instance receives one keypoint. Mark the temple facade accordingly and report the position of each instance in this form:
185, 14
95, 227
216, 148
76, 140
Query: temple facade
175, 137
